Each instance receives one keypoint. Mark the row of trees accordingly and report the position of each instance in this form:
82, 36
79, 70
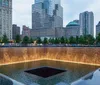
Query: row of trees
18, 39
72, 40
88, 39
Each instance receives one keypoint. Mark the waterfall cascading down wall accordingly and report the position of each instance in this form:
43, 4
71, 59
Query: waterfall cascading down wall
69, 54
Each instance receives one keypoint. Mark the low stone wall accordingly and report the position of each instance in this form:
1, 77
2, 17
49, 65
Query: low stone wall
89, 55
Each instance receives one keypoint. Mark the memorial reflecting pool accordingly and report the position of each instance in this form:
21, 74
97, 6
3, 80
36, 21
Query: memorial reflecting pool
73, 72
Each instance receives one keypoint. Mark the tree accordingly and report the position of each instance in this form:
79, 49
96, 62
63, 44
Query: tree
81, 40
77, 40
25, 40
0, 40
90, 39
49, 40
45, 41
62, 40
39, 41
72, 40
31, 40
5, 39
56, 41
17, 38
66, 41
52, 40
98, 39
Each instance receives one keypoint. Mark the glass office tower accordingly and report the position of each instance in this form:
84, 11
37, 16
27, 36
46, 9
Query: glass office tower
49, 5
46, 13
38, 1
87, 23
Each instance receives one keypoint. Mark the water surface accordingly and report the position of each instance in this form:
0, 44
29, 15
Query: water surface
74, 72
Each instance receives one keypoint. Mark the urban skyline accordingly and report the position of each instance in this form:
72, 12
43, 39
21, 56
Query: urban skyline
50, 16
70, 12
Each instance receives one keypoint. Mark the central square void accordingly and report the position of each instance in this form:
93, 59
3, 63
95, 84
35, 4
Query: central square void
45, 72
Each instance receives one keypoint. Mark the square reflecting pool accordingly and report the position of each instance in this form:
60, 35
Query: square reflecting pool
45, 72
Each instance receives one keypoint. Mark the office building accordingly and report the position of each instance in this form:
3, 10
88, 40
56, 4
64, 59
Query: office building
47, 14
49, 5
15, 31
86, 23
98, 28
6, 18
25, 31
72, 29
49, 33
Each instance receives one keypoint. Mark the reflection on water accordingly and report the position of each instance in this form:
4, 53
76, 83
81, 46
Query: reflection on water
75, 71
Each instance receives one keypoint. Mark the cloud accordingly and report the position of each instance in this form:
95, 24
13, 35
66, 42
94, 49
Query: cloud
22, 12
72, 9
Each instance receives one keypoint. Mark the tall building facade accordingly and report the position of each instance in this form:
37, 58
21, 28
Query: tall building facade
49, 5
15, 31
47, 14
86, 23
25, 31
6, 18
49, 33
98, 28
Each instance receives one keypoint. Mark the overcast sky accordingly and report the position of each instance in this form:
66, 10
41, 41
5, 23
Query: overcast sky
72, 8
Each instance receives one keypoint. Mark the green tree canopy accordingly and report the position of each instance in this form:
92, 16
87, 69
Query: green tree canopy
72, 40
45, 41
31, 40
0, 40
90, 39
66, 41
98, 39
77, 40
5, 39
56, 41
52, 40
25, 40
18, 39
62, 40
81, 40
39, 41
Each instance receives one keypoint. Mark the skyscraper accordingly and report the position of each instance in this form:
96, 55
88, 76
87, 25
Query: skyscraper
49, 5
98, 28
6, 18
15, 31
47, 14
39, 1
86, 23
25, 31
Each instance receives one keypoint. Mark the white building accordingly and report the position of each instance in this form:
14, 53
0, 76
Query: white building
86, 23
6, 18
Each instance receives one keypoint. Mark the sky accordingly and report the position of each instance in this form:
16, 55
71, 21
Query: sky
72, 8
